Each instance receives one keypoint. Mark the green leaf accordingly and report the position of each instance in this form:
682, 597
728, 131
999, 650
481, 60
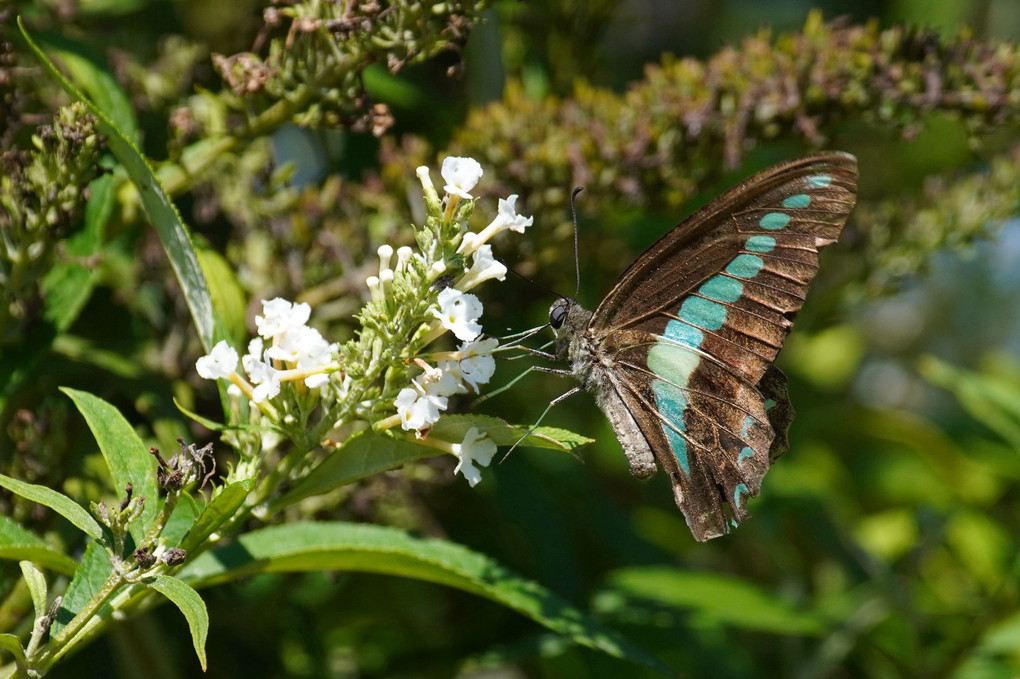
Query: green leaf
16, 543
85, 66
204, 421
181, 521
228, 296
19, 360
90, 577
454, 427
386, 550
69, 284
127, 458
362, 454
219, 509
36, 583
190, 604
58, 502
991, 399
12, 645
719, 599
165, 218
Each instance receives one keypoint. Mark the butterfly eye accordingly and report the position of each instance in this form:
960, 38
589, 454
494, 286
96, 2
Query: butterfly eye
557, 315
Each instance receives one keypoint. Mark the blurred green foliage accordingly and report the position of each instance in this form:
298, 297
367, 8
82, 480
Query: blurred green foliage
884, 543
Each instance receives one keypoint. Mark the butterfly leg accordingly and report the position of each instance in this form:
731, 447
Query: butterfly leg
541, 417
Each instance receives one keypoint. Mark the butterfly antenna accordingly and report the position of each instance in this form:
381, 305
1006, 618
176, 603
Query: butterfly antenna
577, 258
536, 284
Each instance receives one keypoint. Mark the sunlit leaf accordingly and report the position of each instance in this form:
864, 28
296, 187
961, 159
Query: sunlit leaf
454, 427
165, 218
385, 550
58, 502
35, 581
127, 458
191, 605
219, 509
88, 580
18, 544
363, 454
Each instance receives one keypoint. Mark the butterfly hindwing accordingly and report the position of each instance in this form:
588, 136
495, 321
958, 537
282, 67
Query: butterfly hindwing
686, 338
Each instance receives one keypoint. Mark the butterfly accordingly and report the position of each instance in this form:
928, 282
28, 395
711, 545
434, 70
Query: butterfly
679, 355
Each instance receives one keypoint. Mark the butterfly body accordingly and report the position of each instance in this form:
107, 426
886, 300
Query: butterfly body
679, 354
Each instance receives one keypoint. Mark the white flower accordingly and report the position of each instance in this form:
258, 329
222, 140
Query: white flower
459, 312
418, 411
461, 175
268, 389
508, 218
403, 254
372, 282
474, 364
280, 315
411, 412
484, 267
260, 372
436, 382
420, 405
385, 252
475, 449
219, 364
304, 349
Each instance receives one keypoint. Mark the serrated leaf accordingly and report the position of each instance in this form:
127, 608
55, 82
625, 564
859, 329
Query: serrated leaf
58, 502
88, 579
454, 427
720, 599
165, 218
219, 509
386, 550
18, 544
127, 458
191, 605
362, 454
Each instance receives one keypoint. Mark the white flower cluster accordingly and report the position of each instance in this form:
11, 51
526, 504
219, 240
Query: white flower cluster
286, 349
420, 405
295, 352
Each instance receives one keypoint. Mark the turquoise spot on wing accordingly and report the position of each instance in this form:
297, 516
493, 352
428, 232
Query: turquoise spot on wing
760, 244
819, 181
722, 288
741, 489
672, 363
672, 403
703, 313
745, 266
799, 200
745, 453
748, 422
774, 221
683, 333
769, 403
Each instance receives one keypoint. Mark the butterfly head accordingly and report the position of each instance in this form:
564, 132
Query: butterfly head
568, 320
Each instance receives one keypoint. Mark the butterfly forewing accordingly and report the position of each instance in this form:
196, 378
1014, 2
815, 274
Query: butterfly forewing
691, 329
